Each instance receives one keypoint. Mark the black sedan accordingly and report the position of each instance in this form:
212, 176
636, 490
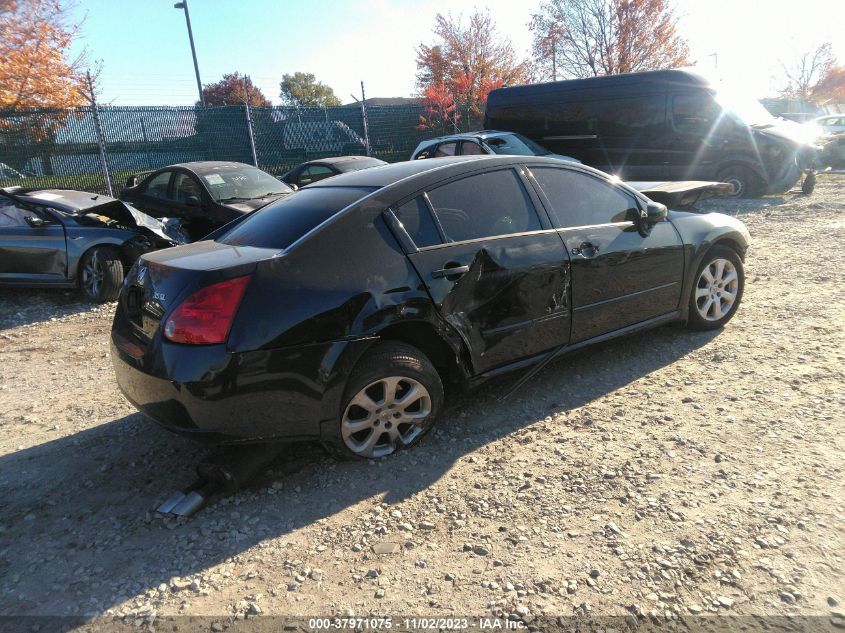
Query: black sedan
63, 238
338, 313
205, 194
316, 170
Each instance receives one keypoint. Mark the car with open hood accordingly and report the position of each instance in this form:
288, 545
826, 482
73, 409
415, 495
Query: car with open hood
64, 238
204, 194
339, 313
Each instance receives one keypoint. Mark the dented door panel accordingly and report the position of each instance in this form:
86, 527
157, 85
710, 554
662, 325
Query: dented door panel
512, 302
38, 253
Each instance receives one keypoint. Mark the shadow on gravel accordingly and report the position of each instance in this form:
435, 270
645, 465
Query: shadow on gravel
77, 534
22, 306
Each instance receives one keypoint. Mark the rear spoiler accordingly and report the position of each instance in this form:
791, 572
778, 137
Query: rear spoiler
682, 194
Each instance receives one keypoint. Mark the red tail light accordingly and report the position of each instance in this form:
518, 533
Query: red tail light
206, 316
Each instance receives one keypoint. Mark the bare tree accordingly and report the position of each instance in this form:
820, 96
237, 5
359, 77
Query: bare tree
804, 75
588, 38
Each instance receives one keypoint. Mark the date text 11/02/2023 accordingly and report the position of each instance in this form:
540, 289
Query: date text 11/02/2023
414, 624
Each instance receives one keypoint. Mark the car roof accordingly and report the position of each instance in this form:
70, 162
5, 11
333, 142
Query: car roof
201, 167
466, 136
335, 160
379, 177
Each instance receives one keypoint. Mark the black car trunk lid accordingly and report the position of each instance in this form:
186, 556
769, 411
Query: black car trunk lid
161, 280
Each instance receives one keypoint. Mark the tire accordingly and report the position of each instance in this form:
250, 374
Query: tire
746, 182
719, 280
371, 423
101, 274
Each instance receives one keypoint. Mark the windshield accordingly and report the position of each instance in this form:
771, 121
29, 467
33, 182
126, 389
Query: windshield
515, 145
281, 223
745, 109
242, 183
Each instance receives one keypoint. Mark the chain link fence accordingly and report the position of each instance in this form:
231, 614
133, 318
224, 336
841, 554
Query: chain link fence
61, 148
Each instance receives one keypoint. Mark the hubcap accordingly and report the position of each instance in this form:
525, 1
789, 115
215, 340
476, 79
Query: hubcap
739, 186
385, 415
716, 290
92, 275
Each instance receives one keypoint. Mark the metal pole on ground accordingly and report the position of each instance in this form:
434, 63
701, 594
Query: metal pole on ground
100, 140
249, 125
366, 124
184, 5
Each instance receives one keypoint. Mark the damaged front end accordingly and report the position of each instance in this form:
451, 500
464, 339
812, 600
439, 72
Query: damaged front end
162, 232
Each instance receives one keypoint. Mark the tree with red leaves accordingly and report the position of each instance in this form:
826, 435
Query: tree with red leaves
234, 89
467, 61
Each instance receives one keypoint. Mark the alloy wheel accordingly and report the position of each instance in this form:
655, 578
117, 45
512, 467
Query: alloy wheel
92, 275
387, 413
716, 290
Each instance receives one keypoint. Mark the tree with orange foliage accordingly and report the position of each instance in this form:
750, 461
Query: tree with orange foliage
35, 70
815, 77
233, 89
831, 87
589, 38
467, 61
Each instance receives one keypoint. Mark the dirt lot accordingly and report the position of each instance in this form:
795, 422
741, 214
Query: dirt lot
672, 473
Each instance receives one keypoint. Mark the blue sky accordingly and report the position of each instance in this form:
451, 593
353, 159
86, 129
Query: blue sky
143, 44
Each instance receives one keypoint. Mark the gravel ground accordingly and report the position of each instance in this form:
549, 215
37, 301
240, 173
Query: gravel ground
670, 473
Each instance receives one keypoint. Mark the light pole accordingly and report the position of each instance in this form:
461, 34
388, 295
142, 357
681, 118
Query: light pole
184, 5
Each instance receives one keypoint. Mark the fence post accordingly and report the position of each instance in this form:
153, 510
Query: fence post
100, 140
249, 125
364, 117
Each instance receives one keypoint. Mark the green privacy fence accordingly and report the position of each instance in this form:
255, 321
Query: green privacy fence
67, 148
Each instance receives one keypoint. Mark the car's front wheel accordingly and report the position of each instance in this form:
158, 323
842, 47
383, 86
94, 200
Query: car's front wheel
717, 289
391, 401
747, 184
101, 274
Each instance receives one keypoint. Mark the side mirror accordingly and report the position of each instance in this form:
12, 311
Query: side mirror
651, 215
193, 201
293, 186
655, 212
35, 222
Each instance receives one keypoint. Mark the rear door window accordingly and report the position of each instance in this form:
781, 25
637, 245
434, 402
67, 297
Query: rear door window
446, 149
281, 223
578, 199
313, 173
417, 221
470, 148
485, 205
157, 186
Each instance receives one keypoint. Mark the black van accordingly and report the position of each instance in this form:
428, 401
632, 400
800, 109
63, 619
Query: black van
660, 125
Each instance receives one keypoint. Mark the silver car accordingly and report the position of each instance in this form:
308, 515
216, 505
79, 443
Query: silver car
483, 142
62, 238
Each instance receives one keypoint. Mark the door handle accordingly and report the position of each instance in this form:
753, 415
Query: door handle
450, 269
586, 249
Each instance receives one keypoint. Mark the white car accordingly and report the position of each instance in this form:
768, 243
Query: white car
831, 123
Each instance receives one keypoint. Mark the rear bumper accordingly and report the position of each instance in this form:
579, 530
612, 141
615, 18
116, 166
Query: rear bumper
216, 396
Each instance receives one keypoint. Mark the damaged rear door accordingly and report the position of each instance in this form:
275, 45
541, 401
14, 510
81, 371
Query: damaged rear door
498, 274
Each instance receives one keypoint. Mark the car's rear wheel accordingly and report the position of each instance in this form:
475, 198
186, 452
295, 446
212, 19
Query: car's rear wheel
747, 184
101, 274
717, 289
391, 401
